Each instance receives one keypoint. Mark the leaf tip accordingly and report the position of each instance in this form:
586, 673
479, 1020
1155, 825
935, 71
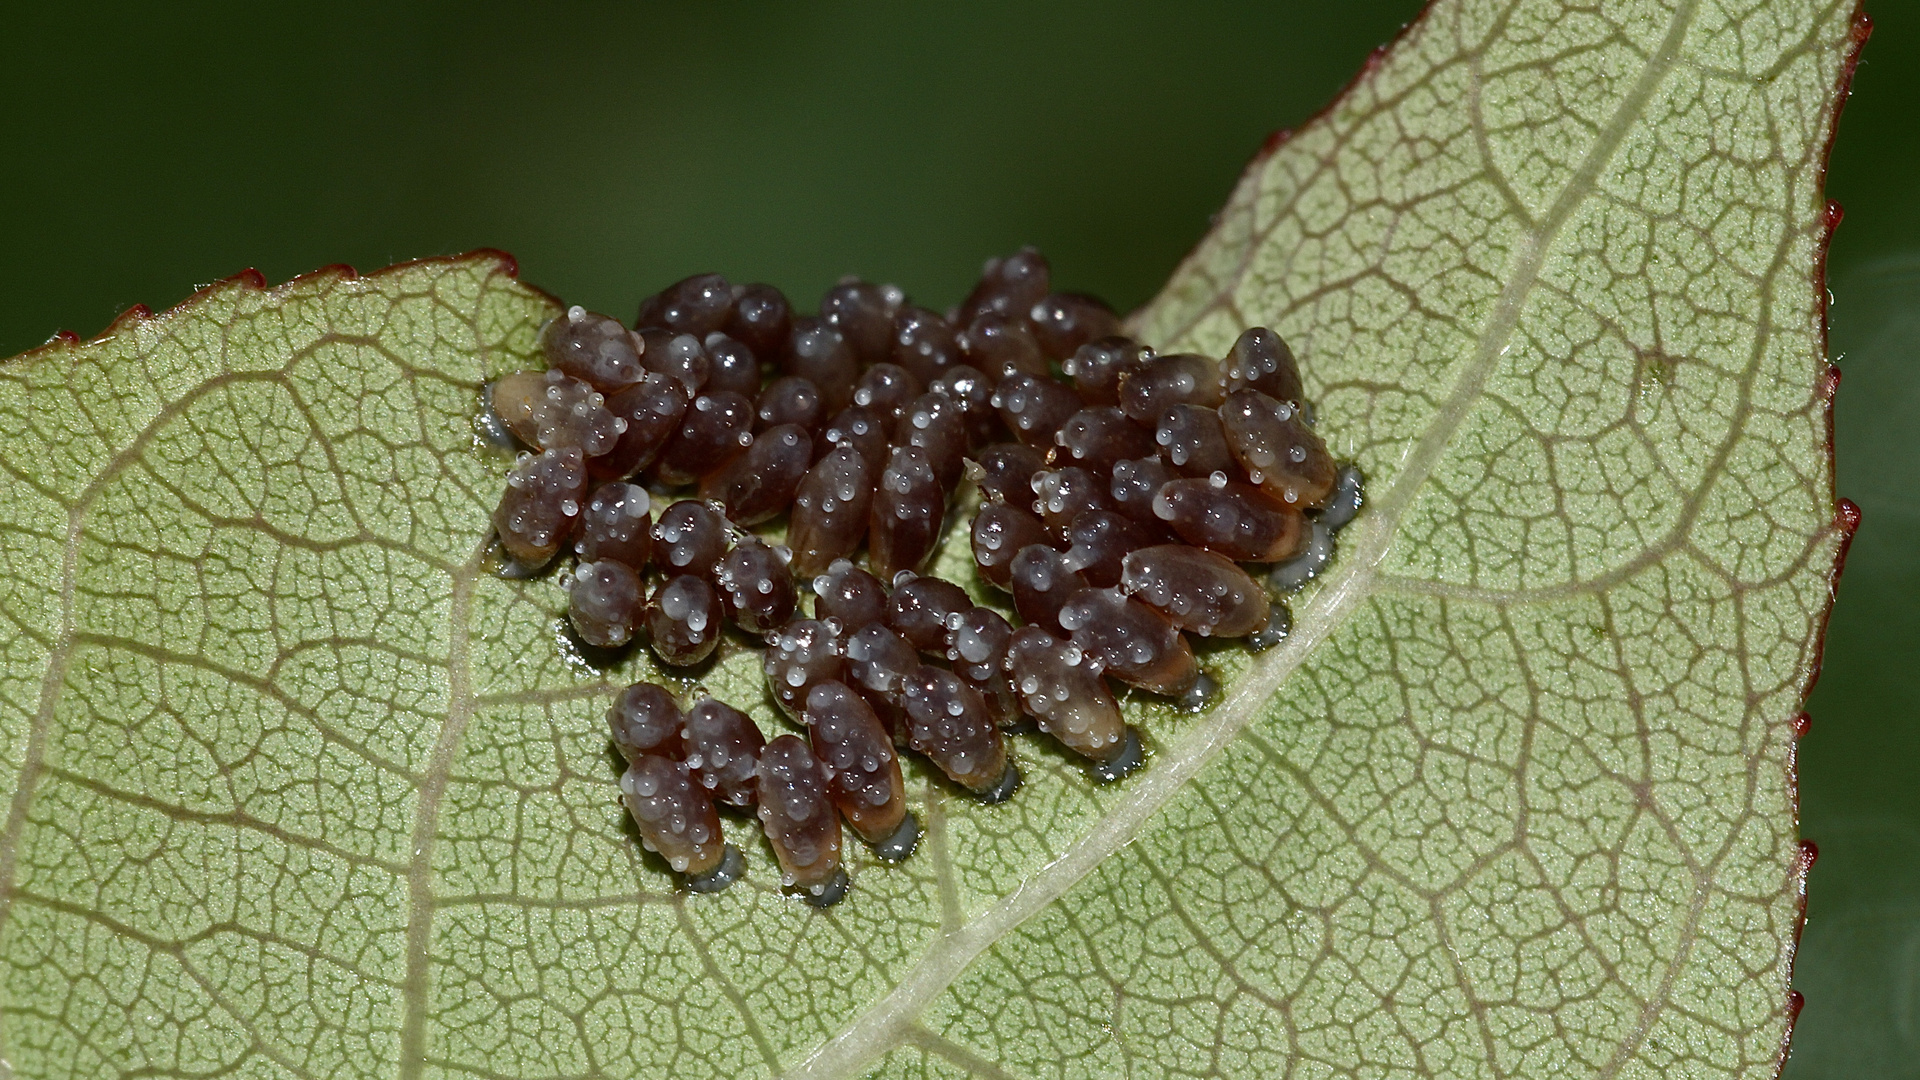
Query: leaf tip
1846, 522
133, 316
1847, 518
1275, 141
329, 272
507, 264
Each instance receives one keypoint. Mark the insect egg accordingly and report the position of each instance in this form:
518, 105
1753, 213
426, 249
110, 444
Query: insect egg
924, 343
683, 620
541, 504
761, 483
678, 820
904, 522
1004, 472
645, 719
1001, 347
800, 655
678, 356
1062, 494
1034, 407
1000, 531
594, 348
604, 602
1135, 485
817, 352
921, 608
548, 410
732, 366
1009, 285
949, 723
879, 662
651, 410
1261, 361
717, 429
1229, 517
1170, 379
831, 509
617, 524
932, 423
864, 771
863, 429
977, 650
689, 538
1043, 580
1133, 642
790, 399
1060, 686
697, 305
849, 594
1100, 539
722, 747
1098, 367
863, 314
755, 586
1100, 436
887, 388
1279, 451
1200, 591
799, 821
1191, 438
1065, 321
970, 388
761, 319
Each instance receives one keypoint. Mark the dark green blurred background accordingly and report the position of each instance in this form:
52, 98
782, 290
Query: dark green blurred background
614, 149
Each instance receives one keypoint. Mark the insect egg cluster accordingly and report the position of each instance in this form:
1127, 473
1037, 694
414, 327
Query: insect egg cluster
1124, 501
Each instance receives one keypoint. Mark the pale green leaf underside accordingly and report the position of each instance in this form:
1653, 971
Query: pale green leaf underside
302, 791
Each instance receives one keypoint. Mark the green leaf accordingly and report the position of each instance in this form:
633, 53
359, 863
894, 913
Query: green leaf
303, 791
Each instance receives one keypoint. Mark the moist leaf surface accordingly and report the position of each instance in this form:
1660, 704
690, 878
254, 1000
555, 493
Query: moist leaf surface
301, 790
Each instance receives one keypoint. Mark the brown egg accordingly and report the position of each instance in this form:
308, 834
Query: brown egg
1229, 517
831, 511
677, 819
1280, 453
645, 719
541, 505
865, 781
949, 724
760, 484
594, 348
1061, 687
721, 746
800, 655
798, 817
755, 586
903, 525
1133, 642
1203, 593
684, 619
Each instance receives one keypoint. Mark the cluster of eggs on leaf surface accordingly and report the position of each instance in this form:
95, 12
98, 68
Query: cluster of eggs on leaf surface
1124, 501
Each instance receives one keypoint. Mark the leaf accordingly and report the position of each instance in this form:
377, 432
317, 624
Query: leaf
303, 791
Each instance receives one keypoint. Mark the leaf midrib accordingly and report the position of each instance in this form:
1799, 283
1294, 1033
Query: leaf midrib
852, 1050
